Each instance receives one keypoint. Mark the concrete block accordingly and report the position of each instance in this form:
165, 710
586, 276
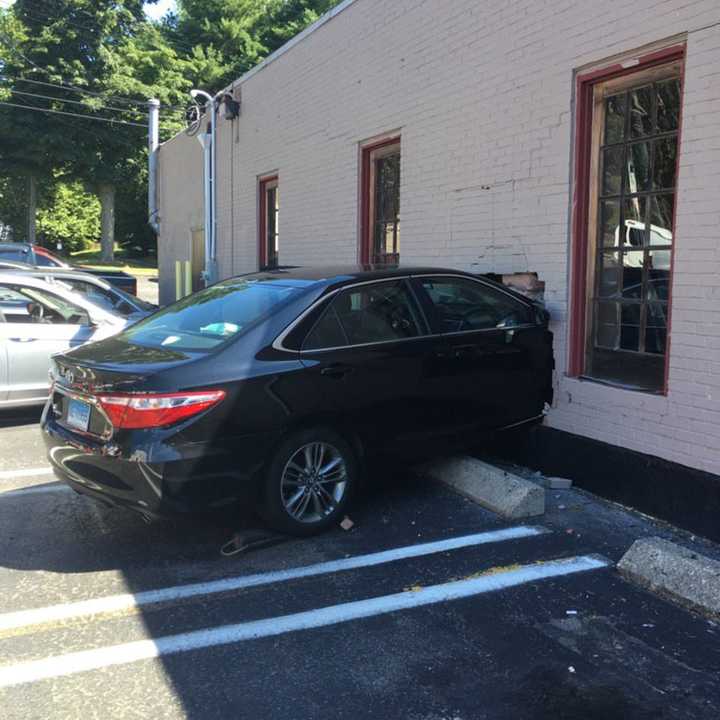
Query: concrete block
490, 486
675, 572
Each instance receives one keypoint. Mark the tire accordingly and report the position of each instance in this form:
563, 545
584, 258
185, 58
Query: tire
309, 482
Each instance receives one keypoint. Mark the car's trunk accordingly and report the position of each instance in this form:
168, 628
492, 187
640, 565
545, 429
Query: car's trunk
109, 366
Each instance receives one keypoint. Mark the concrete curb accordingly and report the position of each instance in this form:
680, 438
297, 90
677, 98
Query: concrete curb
493, 488
675, 572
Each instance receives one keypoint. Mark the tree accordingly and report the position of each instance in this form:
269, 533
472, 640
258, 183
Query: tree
75, 76
68, 215
228, 37
92, 59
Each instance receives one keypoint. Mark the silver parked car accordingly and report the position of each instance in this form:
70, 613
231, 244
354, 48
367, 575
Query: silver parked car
95, 289
37, 320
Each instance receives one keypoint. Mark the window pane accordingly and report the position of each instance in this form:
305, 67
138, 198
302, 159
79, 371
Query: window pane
668, 105
664, 170
635, 213
637, 178
607, 325
656, 330
464, 305
608, 275
609, 221
659, 265
614, 118
632, 272
630, 327
612, 168
641, 111
662, 208
386, 208
377, 313
327, 333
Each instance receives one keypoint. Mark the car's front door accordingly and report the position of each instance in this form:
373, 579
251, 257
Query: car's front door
37, 325
496, 358
368, 354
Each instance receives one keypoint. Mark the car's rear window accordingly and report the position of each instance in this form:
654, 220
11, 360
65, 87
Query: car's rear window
213, 316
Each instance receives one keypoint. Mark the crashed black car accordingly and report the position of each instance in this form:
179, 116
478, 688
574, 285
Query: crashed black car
274, 388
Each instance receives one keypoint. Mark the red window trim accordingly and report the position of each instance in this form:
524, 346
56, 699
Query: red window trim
263, 183
584, 84
365, 250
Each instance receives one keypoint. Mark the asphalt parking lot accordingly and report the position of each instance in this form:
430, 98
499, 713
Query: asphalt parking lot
462, 616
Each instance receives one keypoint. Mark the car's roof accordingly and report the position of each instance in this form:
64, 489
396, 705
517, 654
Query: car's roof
339, 273
40, 271
15, 245
14, 277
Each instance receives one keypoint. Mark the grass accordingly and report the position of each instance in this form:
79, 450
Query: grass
135, 266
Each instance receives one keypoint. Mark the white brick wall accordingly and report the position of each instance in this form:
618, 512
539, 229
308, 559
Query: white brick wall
482, 95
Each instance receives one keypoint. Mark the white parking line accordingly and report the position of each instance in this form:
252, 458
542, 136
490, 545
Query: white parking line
25, 472
128, 601
85, 660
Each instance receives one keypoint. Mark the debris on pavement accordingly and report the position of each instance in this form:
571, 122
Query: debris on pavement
250, 540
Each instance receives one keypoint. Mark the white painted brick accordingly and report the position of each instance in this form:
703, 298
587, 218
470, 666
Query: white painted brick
482, 96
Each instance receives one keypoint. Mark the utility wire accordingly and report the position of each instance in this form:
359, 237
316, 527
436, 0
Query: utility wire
75, 102
178, 108
78, 115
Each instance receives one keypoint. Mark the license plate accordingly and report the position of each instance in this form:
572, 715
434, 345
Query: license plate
78, 415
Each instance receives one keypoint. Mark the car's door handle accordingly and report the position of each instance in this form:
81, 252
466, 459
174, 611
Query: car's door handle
336, 371
23, 339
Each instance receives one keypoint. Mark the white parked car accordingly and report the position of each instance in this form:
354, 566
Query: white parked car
37, 320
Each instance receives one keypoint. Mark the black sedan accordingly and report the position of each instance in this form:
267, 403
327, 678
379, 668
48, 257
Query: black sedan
274, 388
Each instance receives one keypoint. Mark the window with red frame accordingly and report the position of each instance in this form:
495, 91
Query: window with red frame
380, 241
269, 229
624, 235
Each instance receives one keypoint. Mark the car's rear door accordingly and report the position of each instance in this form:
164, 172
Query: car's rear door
497, 363
30, 341
369, 353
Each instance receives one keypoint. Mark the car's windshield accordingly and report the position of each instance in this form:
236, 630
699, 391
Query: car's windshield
214, 315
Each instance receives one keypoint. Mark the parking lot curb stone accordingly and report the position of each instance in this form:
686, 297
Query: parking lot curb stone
492, 487
675, 572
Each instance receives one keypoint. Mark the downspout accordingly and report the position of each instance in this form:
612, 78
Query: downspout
205, 140
153, 141
212, 271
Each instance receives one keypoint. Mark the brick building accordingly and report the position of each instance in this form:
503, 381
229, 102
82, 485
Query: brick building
579, 140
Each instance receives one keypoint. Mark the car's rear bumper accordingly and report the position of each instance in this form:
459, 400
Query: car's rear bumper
198, 478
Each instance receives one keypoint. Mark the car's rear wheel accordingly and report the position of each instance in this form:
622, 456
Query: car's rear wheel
309, 482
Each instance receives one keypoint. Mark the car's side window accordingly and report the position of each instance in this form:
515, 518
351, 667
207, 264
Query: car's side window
32, 305
326, 333
378, 312
463, 305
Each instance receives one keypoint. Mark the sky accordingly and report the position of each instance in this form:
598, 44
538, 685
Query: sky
154, 11
157, 10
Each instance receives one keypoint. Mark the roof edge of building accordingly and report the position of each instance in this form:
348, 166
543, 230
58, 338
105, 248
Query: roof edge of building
309, 30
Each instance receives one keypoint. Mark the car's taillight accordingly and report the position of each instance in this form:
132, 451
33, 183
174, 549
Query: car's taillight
132, 412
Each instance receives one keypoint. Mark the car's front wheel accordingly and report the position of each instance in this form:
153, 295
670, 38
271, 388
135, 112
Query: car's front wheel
309, 482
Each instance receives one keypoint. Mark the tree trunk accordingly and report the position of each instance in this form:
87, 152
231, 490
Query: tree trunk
106, 193
32, 210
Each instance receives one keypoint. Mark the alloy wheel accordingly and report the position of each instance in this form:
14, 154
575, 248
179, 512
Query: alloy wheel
313, 482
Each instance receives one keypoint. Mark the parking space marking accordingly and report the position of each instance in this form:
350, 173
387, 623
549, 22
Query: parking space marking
129, 602
25, 472
85, 660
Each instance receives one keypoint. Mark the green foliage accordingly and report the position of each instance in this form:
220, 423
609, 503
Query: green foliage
69, 215
103, 59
